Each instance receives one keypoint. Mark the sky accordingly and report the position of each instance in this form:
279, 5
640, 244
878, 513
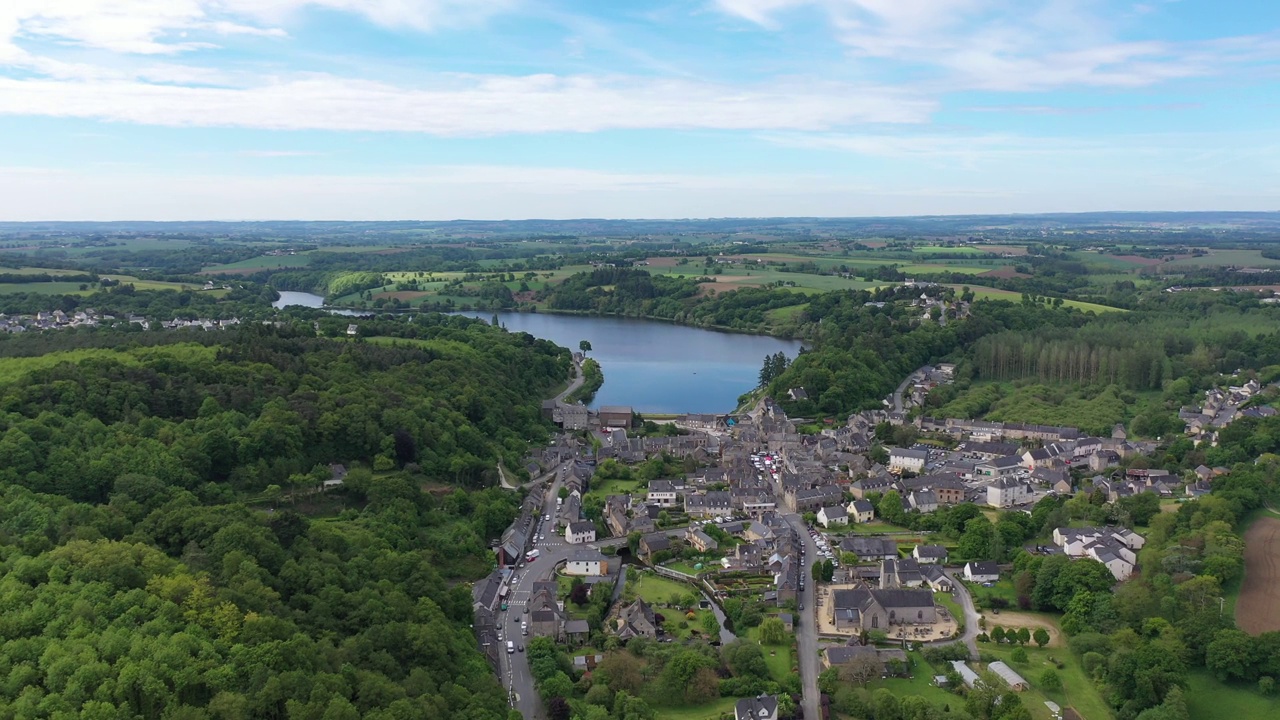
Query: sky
509, 109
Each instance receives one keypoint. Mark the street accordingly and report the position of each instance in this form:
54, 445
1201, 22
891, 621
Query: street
807, 629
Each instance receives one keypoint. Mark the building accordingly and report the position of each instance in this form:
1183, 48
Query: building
935, 578
908, 459
870, 549
652, 544
662, 493
835, 515
1007, 466
701, 540
636, 620
616, 416
904, 573
580, 531
966, 673
587, 563
764, 707
1007, 674
1115, 547
925, 501
709, 504
981, 572
930, 554
861, 511
874, 609
1007, 492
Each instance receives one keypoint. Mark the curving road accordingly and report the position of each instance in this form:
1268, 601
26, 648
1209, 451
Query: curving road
971, 617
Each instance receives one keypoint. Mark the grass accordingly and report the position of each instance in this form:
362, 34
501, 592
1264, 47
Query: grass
785, 314
707, 711
39, 271
987, 293
1001, 589
875, 526
1078, 690
920, 683
655, 589
263, 262
953, 607
1251, 258
780, 662
1211, 699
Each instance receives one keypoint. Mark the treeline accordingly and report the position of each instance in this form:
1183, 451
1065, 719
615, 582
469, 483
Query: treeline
270, 404
150, 604
1137, 351
21, 278
623, 291
122, 300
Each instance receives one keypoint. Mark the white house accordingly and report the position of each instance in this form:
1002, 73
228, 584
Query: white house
580, 531
981, 572
586, 562
1115, 547
662, 493
861, 511
1008, 491
908, 459
930, 553
829, 516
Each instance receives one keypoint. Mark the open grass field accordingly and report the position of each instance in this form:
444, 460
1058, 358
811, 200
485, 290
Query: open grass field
655, 589
708, 711
1242, 258
73, 288
779, 658
986, 293
1210, 699
1078, 691
39, 271
1258, 607
262, 262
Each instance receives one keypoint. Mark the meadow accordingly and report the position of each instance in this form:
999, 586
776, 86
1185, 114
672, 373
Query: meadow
988, 293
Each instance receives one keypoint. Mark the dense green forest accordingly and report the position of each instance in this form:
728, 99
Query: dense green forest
152, 561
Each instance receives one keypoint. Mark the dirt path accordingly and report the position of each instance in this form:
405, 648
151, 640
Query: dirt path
1258, 609
1007, 619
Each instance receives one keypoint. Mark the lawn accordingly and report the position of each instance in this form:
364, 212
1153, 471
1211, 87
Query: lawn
779, 658
921, 683
1002, 589
873, 527
708, 711
1078, 690
953, 607
654, 589
1211, 699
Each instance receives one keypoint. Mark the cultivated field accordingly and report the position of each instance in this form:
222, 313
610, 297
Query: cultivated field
1258, 609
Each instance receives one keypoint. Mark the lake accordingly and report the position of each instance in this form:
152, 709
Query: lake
289, 297
658, 367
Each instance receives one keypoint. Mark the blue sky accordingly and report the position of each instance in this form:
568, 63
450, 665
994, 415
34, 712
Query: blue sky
488, 109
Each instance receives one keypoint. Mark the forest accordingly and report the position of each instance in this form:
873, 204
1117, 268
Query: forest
154, 560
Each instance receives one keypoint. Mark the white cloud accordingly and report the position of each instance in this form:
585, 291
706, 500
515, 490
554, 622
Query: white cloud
469, 105
1012, 45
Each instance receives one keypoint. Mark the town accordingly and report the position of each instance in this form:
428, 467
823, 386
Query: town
726, 524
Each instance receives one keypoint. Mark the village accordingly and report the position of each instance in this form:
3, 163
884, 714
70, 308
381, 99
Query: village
92, 318
727, 521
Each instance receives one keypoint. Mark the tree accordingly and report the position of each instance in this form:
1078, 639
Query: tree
862, 669
584, 346
1232, 655
828, 570
621, 671
998, 634
1050, 681
1019, 655
558, 709
710, 625
704, 687
1041, 637
773, 632
786, 706
1024, 636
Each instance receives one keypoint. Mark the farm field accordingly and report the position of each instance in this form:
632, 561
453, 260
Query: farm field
38, 271
73, 288
986, 293
1248, 258
1258, 607
262, 262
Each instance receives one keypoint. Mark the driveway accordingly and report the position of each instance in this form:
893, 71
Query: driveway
971, 617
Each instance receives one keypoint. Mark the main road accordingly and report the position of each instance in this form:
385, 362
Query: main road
807, 630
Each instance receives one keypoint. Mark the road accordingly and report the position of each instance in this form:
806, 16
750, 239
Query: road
807, 631
574, 384
897, 394
971, 629
578, 379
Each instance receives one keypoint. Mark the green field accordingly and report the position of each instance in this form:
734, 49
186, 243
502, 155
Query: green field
1211, 699
39, 271
73, 288
988, 293
713, 710
1244, 258
262, 262
1078, 691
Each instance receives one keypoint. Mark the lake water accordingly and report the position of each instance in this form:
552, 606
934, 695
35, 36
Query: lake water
658, 367
288, 297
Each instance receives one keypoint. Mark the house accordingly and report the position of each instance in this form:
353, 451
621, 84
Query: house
925, 501
588, 563
710, 504
1007, 674
981, 572
935, 578
577, 632
874, 608
870, 549
652, 544
835, 515
930, 554
764, 707
1007, 492
701, 540
636, 620
580, 531
1103, 459
908, 459
353, 330
662, 493
861, 511
1115, 547
798, 393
